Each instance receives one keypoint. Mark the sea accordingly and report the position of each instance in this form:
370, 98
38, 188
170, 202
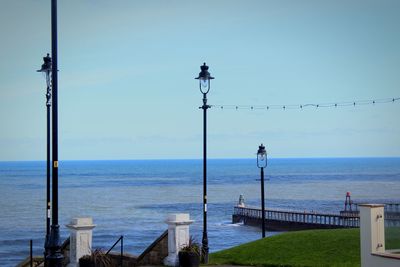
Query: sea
133, 197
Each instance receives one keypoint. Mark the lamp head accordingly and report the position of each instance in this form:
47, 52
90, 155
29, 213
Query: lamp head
261, 157
204, 79
46, 68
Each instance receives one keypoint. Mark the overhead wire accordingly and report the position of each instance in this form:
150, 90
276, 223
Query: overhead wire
308, 105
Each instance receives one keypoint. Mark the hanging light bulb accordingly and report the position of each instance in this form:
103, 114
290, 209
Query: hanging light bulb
204, 84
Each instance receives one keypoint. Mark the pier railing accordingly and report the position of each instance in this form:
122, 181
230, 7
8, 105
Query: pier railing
322, 219
392, 207
392, 213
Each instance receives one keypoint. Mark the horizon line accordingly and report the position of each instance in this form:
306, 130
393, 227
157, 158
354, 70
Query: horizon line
217, 158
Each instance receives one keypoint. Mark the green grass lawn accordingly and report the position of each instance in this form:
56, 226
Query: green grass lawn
336, 247
392, 237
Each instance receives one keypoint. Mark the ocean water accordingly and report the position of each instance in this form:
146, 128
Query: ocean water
133, 198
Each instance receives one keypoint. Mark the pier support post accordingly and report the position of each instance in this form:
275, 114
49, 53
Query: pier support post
80, 239
178, 236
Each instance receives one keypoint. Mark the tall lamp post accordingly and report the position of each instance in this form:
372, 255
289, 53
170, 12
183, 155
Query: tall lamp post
46, 70
204, 82
55, 256
262, 163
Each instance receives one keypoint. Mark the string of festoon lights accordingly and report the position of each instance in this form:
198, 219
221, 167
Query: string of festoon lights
309, 105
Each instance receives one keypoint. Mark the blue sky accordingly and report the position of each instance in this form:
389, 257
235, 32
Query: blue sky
127, 68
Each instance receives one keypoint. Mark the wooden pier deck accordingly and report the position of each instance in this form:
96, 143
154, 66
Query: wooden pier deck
285, 220
281, 220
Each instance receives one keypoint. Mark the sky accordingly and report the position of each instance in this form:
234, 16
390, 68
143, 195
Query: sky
127, 69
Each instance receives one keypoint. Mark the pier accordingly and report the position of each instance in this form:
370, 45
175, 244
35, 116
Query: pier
280, 220
286, 220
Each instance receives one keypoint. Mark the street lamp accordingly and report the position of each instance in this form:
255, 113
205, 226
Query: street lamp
55, 257
262, 163
204, 83
46, 70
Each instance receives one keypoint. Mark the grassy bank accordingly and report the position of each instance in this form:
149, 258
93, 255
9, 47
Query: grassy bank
392, 236
338, 247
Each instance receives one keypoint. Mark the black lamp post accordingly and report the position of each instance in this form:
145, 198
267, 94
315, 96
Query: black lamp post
46, 70
262, 163
204, 79
55, 256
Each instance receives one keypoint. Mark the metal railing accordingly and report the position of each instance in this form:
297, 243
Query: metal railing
300, 217
121, 239
30, 253
31, 260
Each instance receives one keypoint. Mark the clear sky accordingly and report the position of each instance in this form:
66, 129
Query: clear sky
127, 68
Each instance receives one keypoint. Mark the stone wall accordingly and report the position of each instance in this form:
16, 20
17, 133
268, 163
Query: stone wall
127, 259
156, 252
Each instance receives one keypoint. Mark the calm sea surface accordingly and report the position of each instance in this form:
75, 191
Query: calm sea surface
133, 198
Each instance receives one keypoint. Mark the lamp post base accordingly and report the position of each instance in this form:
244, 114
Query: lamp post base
55, 257
204, 249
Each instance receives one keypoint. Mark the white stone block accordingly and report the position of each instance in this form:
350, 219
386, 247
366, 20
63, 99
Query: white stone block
80, 239
178, 236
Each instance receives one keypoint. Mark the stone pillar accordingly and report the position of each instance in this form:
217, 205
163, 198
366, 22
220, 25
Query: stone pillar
178, 236
372, 231
80, 239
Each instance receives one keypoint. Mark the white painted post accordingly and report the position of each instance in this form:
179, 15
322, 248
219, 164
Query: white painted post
80, 239
178, 236
372, 231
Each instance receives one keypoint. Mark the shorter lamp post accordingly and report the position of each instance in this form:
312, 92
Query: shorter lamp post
46, 70
262, 163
